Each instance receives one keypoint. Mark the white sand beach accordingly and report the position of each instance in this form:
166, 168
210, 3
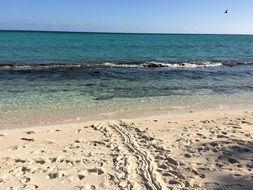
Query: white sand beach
197, 150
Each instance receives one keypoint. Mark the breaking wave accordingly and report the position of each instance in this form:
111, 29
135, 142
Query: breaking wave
151, 64
154, 64
38, 67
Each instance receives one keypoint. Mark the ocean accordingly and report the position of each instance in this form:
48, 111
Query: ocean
84, 74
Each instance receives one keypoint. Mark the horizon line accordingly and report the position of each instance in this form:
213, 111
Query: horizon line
140, 33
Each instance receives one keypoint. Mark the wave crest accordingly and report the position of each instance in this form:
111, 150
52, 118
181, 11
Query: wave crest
154, 64
84, 66
38, 67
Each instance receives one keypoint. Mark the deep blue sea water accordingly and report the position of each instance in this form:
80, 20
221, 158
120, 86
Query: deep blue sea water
109, 72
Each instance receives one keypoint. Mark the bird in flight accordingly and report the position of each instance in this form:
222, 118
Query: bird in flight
226, 12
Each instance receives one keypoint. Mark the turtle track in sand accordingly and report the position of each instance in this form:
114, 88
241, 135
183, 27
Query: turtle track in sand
140, 160
145, 168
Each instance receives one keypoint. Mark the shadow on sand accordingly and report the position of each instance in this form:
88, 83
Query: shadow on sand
234, 163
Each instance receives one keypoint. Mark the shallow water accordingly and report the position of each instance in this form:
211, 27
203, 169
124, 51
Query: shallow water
96, 73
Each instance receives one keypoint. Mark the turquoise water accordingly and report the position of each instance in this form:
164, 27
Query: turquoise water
38, 47
110, 72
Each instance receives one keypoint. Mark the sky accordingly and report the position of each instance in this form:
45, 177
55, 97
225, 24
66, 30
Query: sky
148, 16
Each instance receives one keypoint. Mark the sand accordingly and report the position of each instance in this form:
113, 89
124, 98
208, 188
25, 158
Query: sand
197, 150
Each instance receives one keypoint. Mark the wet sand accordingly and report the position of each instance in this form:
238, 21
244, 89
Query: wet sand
197, 150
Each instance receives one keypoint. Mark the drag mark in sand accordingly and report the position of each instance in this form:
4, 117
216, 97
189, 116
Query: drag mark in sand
145, 168
138, 159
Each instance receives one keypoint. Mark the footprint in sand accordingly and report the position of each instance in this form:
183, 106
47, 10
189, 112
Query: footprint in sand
52, 160
31, 186
53, 175
27, 139
79, 130
40, 161
25, 179
97, 171
30, 132
20, 160
80, 176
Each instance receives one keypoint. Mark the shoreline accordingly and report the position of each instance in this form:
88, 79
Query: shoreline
197, 150
43, 118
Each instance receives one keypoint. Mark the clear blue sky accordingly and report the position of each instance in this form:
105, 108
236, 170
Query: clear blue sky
162, 16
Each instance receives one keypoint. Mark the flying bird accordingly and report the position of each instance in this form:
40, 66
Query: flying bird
226, 12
